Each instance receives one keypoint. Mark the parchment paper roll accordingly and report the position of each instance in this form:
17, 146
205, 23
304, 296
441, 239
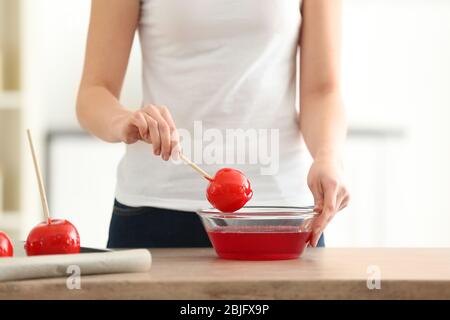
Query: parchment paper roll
48, 266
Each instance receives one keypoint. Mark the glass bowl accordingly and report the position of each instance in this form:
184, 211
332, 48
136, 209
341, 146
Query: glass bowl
259, 233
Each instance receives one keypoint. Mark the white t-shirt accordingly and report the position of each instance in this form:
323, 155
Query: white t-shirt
227, 72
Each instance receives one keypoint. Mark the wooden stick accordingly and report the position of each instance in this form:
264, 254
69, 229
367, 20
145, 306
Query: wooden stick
39, 178
196, 167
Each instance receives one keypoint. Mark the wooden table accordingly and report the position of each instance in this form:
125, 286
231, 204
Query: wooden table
329, 273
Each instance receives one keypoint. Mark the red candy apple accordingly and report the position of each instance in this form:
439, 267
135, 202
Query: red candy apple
229, 190
56, 236
6, 248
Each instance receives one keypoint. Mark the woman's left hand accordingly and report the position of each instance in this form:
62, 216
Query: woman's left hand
329, 191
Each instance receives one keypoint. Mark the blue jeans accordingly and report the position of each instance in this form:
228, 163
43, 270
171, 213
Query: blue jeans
149, 227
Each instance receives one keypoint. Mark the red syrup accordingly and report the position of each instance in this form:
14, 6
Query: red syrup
259, 242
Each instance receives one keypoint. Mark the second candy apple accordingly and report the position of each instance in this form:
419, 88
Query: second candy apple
56, 236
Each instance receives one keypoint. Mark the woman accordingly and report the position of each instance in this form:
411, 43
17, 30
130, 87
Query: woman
228, 64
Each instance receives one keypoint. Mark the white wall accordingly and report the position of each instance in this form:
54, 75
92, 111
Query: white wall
57, 33
396, 76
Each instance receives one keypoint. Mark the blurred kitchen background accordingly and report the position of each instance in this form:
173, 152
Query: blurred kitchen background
396, 78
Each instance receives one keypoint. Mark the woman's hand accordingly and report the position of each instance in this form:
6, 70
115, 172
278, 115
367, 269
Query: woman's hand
329, 191
322, 116
152, 124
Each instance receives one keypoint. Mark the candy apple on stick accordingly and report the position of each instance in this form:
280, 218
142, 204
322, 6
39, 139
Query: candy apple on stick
52, 236
229, 190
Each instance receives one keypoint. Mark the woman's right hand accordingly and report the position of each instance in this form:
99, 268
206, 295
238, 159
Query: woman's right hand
152, 124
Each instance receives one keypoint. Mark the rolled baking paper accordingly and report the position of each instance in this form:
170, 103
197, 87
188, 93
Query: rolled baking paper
62, 265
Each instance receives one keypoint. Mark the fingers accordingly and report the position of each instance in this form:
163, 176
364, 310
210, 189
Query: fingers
163, 130
343, 198
139, 121
317, 193
156, 126
174, 137
318, 197
344, 202
333, 198
329, 209
330, 203
168, 117
176, 146
154, 137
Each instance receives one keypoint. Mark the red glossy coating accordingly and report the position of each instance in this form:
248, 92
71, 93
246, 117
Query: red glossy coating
259, 242
56, 236
229, 190
6, 247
